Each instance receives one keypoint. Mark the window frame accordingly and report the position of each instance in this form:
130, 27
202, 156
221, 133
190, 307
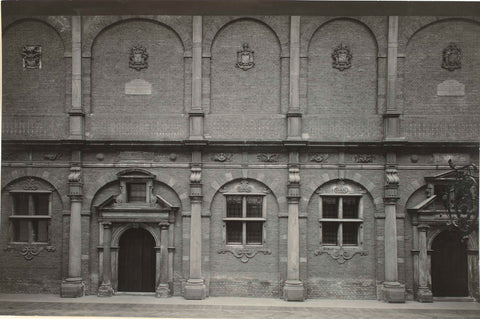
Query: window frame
340, 220
245, 220
30, 217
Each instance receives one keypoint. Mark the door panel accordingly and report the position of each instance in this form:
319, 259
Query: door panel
136, 261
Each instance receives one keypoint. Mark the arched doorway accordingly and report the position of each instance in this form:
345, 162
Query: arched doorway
136, 261
449, 266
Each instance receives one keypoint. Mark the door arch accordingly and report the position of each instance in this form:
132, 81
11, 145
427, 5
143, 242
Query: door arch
449, 266
136, 261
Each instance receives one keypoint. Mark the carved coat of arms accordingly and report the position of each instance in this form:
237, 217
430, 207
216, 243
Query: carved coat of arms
451, 57
32, 57
245, 58
138, 58
342, 57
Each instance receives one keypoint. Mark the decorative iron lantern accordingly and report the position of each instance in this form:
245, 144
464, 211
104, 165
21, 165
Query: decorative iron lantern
461, 199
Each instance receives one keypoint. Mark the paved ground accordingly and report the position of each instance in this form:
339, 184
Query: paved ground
223, 307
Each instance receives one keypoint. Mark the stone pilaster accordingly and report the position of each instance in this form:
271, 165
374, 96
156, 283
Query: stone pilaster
163, 288
294, 116
293, 289
393, 291
76, 113
105, 289
423, 293
391, 117
196, 114
195, 286
73, 285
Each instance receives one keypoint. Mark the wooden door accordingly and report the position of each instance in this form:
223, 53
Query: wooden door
136, 261
449, 266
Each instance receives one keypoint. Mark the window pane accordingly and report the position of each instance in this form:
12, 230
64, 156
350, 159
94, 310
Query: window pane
136, 192
350, 207
350, 234
329, 233
254, 206
254, 232
20, 204
40, 203
234, 232
40, 230
330, 207
234, 206
20, 230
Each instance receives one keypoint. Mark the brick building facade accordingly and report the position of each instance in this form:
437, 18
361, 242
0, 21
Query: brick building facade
221, 155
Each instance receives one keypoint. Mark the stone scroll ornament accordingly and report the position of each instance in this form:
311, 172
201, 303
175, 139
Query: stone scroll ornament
452, 57
339, 254
342, 57
138, 58
244, 254
245, 58
32, 57
29, 252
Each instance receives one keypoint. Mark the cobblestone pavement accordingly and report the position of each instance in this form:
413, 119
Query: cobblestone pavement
30, 309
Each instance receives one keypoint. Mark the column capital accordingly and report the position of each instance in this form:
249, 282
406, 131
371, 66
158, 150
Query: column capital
423, 227
164, 225
107, 224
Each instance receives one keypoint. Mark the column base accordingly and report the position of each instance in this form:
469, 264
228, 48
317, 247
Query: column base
162, 291
105, 290
293, 291
72, 288
195, 289
393, 292
424, 295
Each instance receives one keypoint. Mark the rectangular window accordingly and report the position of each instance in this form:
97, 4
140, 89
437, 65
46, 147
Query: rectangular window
244, 220
30, 217
137, 192
341, 220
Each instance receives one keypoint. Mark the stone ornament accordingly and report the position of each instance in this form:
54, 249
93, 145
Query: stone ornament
52, 156
339, 254
29, 252
245, 58
320, 158
264, 157
391, 176
244, 187
342, 57
363, 158
244, 254
30, 184
32, 57
222, 157
138, 58
452, 57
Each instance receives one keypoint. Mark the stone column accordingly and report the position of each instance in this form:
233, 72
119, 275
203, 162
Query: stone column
424, 294
73, 286
163, 289
195, 287
393, 291
76, 112
293, 289
105, 289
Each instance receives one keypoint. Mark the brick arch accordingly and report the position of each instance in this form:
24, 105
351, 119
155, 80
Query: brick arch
96, 29
407, 191
211, 35
61, 26
472, 243
357, 178
311, 29
8, 180
112, 177
414, 27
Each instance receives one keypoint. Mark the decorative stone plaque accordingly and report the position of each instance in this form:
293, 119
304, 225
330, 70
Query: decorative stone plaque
342, 57
138, 87
450, 88
32, 57
245, 58
138, 58
452, 57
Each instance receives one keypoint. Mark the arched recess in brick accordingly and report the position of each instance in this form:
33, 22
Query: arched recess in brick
437, 99
341, 248
251, 267
350, 91
251, 91
160, 87
36, 91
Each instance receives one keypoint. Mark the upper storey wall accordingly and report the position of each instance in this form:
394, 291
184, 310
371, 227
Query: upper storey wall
153, 103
